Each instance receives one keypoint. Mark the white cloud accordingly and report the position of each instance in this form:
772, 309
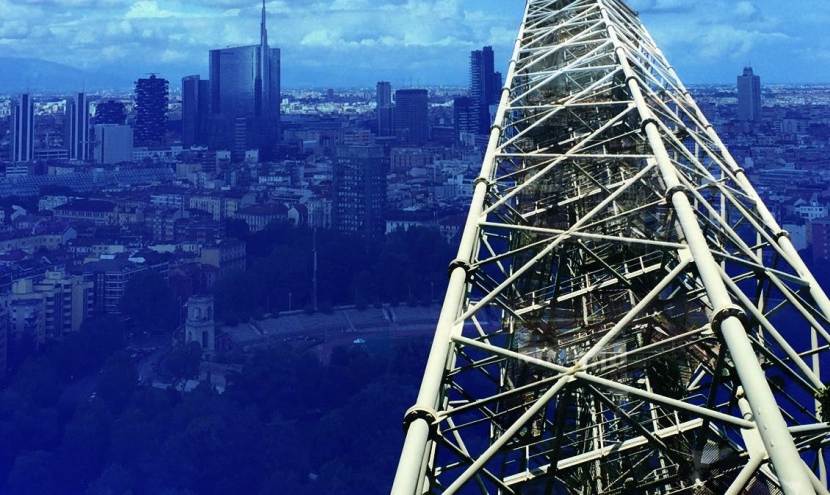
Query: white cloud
147, 9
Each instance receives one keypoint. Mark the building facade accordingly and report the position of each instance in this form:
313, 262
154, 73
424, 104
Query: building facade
245, 97
485, 84
749, 96
195, 110
113, 143
385, 109
77, 129
412, 116
359, 191
199, 325
151, 101
23, 129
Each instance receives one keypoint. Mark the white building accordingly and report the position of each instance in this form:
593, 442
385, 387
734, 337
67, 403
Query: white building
200, 326
113, 143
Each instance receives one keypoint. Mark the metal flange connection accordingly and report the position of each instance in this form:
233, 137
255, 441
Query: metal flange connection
781, 233
464, 265
484, 180
648, 121
415, 413
679, 188
724, 314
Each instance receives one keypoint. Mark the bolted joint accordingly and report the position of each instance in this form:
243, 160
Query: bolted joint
679, 188
468, 270
496, 127
416, 413
631, 78
650, 120
483, 180
781, 233
724, 314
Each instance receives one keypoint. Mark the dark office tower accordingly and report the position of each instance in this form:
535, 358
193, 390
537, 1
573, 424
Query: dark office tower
151, 95
483, 87
384, 94
464, 116
412, 115
195, 110
245, 84
110, 112
749, 96
498, 83
77, 129
385, 109
359, 191
23, 129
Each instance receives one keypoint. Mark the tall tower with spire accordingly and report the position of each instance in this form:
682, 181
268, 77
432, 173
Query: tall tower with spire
245, 96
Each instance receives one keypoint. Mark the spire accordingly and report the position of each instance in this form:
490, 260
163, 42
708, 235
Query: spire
263, 29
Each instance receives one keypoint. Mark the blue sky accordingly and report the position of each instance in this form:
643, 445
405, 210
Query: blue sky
411, 42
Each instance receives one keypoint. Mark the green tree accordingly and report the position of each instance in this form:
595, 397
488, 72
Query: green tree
183, 362
117, 382
150, 302
33, 472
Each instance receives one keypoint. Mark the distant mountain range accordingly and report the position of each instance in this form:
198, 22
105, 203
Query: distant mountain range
26, 74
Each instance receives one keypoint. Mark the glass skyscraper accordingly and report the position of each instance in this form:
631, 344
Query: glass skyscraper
749, 96
245, 96
412, 116
23, 129
195, 110
77, 130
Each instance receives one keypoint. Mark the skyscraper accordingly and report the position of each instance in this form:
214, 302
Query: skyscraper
749, 96
77, 114
484, 85
359, 187
23, 129
151, 96
412, 115
110, 112
465, 118
384, 109
195, 110
245, 89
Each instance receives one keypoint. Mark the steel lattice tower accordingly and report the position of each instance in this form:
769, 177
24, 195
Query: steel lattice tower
625, 315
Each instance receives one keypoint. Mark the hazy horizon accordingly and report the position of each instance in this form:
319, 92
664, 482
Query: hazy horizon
352, 43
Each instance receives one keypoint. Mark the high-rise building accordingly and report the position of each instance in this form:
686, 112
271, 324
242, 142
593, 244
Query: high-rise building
412, 116
23, 129
49, 308
245, 88
152, 98
4, 341
110, 112
195, 110
465, 118
77, 133
498, 84
384, 94
385, 109
749, 96
113, 143
359, 195
484, 85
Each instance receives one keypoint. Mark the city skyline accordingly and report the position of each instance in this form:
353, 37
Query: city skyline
408, 43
